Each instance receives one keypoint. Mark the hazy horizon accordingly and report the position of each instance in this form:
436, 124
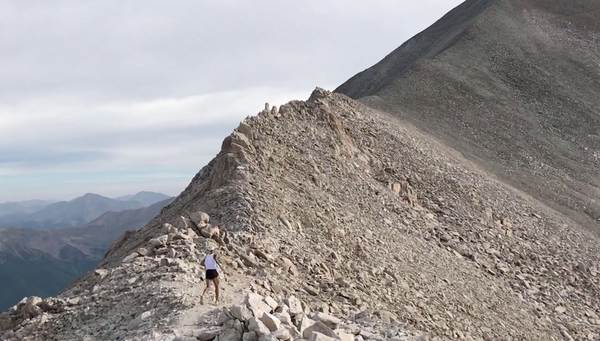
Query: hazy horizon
114, 98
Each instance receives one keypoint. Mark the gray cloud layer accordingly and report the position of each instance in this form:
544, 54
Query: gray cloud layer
120, 85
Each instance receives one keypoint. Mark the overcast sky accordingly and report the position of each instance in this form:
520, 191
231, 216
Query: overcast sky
114, 97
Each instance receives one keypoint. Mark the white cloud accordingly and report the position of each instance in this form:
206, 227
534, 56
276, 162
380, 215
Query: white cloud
90, 86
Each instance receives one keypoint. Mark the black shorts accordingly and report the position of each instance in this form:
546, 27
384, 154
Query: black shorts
211, 274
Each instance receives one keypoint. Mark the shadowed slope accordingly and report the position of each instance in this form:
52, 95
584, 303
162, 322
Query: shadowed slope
517, 91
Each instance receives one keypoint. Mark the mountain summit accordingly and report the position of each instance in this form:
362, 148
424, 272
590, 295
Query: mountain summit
514, 85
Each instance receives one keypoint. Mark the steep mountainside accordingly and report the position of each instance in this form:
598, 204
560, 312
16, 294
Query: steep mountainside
356, 214
76, 212
514, 85
43, 262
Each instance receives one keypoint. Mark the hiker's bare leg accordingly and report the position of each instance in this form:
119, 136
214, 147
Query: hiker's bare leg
216, 280
207, 287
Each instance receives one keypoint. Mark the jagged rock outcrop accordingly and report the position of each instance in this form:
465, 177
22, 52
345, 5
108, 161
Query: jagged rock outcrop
343, 211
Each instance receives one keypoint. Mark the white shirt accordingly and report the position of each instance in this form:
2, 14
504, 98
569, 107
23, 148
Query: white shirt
210, 263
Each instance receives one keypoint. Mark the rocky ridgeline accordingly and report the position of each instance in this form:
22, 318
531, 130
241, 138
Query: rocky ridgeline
358, 216
117, 301
142, 297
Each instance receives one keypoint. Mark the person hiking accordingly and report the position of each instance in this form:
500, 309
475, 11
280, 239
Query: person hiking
211, 262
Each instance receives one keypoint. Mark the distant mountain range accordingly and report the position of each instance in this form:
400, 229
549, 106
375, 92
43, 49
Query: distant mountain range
43, 262
40, 214
23, 207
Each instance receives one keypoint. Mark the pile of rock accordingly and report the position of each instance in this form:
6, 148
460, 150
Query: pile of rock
261, 318
123, 301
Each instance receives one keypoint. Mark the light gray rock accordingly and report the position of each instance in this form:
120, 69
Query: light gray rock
271, 302
282, 334
315, 336
183, 223
250, 336
245, 129
330, 321
209, 231
295, 305
159, 241
224, 317
344, 336
205, 334
256, 302
241, 312
271, 322
101, 273
256, 325
285, 318
200, 218
318, 327
131, 257
185, 338
169, 228
267, 338
234, 333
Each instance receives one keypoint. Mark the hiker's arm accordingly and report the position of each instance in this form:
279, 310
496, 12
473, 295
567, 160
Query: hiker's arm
219, 264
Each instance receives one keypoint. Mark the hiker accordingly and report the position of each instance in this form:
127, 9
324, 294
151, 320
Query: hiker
210, 262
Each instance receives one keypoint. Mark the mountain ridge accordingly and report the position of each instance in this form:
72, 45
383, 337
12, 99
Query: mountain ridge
519, 103
78, 211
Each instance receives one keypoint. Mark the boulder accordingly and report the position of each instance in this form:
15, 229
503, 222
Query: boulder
206, 334
245, 129
250, 336
224, 317
271, 302
256, 302
159, 241
256, 326
285, 318
318, 327
142, 251
102, 273
282, 334
209, 231
183, 223
271, 322
315, 336
31, 309
131, 257
233, 333
267, 338
330, 321
294, 305
200, 218
345, 336
191, 234
169, 228
241, 312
